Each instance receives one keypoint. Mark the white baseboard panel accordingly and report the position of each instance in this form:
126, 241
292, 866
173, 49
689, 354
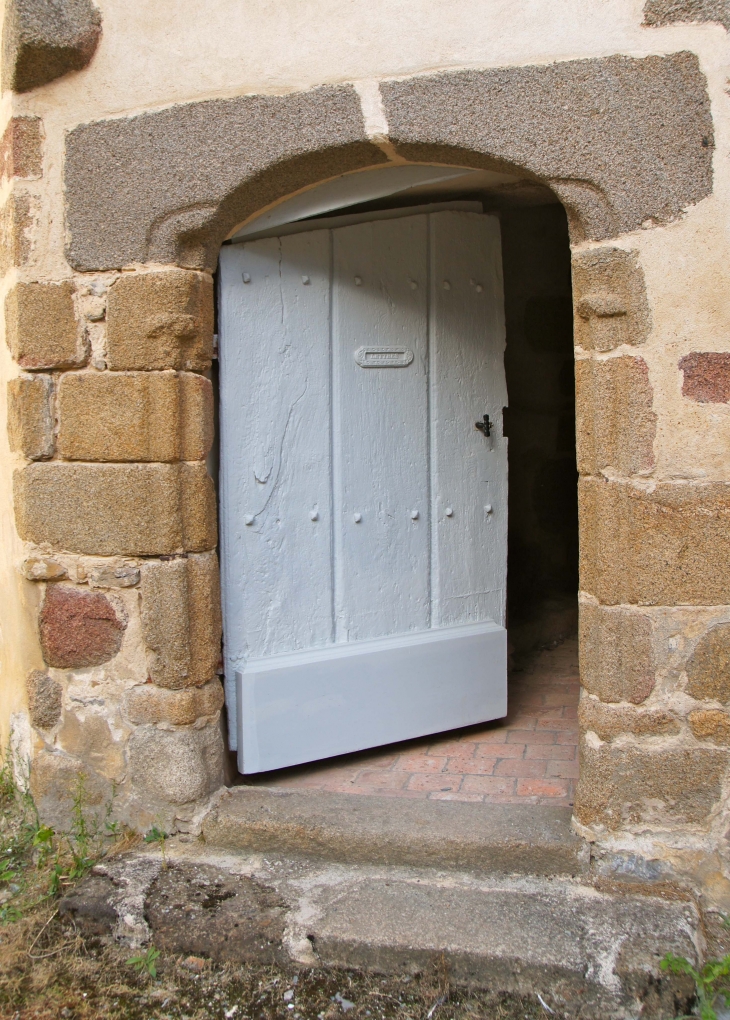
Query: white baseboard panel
304, 706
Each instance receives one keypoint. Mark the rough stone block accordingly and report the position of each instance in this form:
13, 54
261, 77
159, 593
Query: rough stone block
618, 139
16, 231
628, 785
151, 704
616, 655
135, 416
45, 699
114, 574
21, 149
40, 326
30, 419
176, 767
55, 778
708, 668
78, 628
706, 377
42, 41
609, 721
116, 509
99, 746
668, 545
615, 423
166, 186
666, 12
710, 724
42, 568
160, 320
181, 620
610, 299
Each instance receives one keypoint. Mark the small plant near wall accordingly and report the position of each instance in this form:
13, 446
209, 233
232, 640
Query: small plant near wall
157, 835
37, 863
712, 985
145, 962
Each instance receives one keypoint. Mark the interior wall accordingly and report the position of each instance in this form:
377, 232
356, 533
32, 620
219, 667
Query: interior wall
542, 583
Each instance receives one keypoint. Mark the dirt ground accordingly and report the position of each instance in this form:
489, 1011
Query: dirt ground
66, 976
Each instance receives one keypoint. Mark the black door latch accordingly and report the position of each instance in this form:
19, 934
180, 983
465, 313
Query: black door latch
484, 426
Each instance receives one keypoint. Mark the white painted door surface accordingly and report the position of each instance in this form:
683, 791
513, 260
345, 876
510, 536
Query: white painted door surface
363, 515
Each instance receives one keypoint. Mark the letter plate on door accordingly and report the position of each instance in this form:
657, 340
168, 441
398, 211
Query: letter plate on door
383, 357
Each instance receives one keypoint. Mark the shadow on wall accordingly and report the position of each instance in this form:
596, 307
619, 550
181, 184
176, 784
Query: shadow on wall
542, 579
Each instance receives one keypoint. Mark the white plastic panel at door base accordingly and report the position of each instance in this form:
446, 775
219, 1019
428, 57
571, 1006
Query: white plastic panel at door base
367, 693
363, 516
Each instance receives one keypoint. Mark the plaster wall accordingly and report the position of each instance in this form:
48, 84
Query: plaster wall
152, 57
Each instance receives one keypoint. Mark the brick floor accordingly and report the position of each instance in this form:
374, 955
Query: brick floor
528, 758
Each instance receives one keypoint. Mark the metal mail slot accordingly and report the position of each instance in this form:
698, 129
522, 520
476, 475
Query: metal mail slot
383, 357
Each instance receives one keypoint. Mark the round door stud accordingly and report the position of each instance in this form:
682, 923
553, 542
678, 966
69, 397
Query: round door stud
305, 280
246, 278
249, 519
414, 515
357, 518
358, 281
488, 508
449, 512
313, 515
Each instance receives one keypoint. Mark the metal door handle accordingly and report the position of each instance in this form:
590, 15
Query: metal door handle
484, 426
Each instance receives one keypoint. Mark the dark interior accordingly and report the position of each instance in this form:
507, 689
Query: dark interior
542, 581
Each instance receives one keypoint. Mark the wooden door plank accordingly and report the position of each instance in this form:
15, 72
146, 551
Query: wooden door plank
380, 430
469, 472
275, 435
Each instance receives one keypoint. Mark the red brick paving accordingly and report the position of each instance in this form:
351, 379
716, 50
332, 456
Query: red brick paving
528, 758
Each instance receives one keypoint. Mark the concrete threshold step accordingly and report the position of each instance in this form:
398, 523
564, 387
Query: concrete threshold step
506, 838
589, 953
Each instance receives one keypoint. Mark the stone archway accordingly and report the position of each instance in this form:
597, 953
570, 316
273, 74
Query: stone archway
623, 142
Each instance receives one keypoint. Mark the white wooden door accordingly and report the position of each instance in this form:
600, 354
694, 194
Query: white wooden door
363, 515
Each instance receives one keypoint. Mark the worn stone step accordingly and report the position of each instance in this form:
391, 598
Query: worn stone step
589, 953
506, 838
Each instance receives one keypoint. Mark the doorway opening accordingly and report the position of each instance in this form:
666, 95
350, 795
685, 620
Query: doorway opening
531, 756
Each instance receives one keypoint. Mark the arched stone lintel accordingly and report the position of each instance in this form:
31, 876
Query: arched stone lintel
167, 187
621, 140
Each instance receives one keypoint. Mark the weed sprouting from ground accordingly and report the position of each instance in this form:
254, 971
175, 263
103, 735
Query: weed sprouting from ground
146, 961
23, 840
157, 835
37, 864
712, 982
